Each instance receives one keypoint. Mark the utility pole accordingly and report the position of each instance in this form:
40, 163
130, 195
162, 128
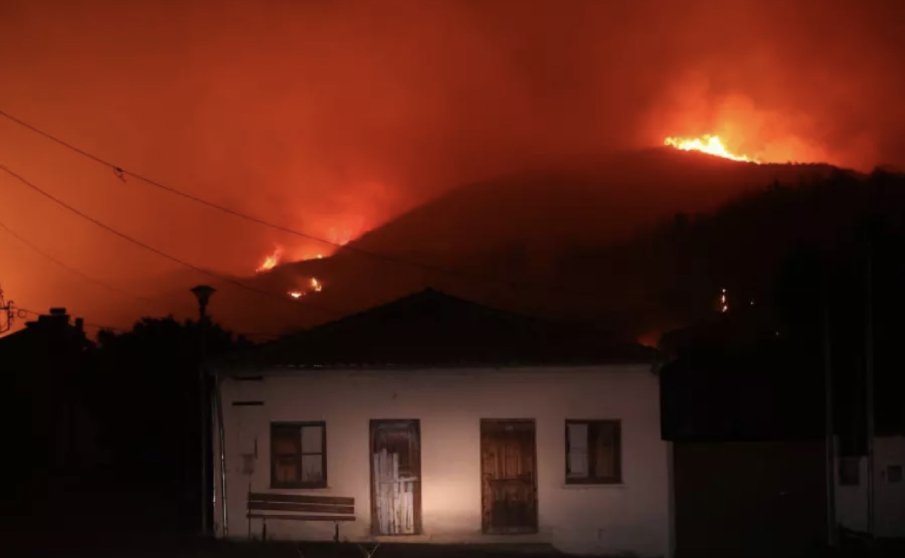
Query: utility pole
869, 386
203, 294
829, 430
8, 308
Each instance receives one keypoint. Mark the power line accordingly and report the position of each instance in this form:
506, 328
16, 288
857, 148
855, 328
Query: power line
148, 247
71, 269
122, 172
104, 284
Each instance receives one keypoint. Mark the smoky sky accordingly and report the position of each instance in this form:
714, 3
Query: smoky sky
332, 117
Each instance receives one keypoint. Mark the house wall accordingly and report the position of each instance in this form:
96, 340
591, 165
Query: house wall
631, 517
889, 497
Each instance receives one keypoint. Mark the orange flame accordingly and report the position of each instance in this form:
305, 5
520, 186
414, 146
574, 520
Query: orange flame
271, 260
710, 144
316, 285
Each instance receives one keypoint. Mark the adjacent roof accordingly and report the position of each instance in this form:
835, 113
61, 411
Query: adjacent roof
434, 329
734, 379
50, 331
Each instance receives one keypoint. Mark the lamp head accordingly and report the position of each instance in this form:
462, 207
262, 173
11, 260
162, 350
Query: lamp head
203, 294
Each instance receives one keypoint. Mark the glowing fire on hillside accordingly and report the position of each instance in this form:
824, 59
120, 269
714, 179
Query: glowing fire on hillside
314, 286
709, 144
271, 260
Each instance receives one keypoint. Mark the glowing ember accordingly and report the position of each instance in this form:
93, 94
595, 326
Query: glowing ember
314, 286
270, 261
712, 145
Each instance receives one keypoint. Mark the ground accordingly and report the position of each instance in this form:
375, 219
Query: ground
151, 545
118, 523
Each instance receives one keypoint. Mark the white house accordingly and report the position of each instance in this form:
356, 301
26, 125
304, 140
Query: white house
432, 419
853, 489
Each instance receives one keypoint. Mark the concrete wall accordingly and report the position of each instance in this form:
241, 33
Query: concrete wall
632, 517
889, 497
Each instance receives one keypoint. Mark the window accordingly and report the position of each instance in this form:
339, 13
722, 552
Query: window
593, 452
849, 471
298, 457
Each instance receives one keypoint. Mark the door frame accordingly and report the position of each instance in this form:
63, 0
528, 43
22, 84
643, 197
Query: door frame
375, 526
486, 528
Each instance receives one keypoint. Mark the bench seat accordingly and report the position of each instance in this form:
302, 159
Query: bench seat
300, 507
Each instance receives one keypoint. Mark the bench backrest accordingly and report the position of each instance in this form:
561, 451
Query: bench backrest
301, 507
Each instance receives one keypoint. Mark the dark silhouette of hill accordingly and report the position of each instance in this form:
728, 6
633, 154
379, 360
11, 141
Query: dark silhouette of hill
672, 275
581, 206
550, 242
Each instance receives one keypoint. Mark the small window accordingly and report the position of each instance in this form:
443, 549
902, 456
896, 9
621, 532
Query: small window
298, 457
593, 452
849, 471
894, 474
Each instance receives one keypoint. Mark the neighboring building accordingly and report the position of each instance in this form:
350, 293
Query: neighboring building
852, 489
46, 362
744, 407
744, 412
449, 422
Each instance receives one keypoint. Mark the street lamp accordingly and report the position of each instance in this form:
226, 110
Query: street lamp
203, 294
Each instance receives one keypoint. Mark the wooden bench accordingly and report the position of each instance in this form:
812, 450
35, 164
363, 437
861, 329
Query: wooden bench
299, 507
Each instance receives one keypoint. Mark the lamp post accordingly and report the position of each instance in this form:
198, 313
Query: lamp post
203, 294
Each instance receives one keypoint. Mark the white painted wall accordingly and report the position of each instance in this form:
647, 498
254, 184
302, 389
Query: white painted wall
889, 498
851, 500
632, 517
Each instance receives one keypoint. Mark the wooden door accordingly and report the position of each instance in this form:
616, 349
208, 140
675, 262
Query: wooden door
509, 476
395, 477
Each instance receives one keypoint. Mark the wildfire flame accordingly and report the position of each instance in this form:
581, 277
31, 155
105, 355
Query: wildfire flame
270, 261
314, 286
710, 144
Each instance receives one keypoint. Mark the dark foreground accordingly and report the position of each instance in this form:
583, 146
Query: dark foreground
192, 547
117, 523
156, 546
119, 539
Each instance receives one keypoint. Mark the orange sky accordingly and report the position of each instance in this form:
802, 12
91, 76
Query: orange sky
333, 117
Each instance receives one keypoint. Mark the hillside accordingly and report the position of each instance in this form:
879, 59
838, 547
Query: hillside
598, 241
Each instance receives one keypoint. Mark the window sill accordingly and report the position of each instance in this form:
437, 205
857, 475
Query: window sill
298, 486
592, 486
